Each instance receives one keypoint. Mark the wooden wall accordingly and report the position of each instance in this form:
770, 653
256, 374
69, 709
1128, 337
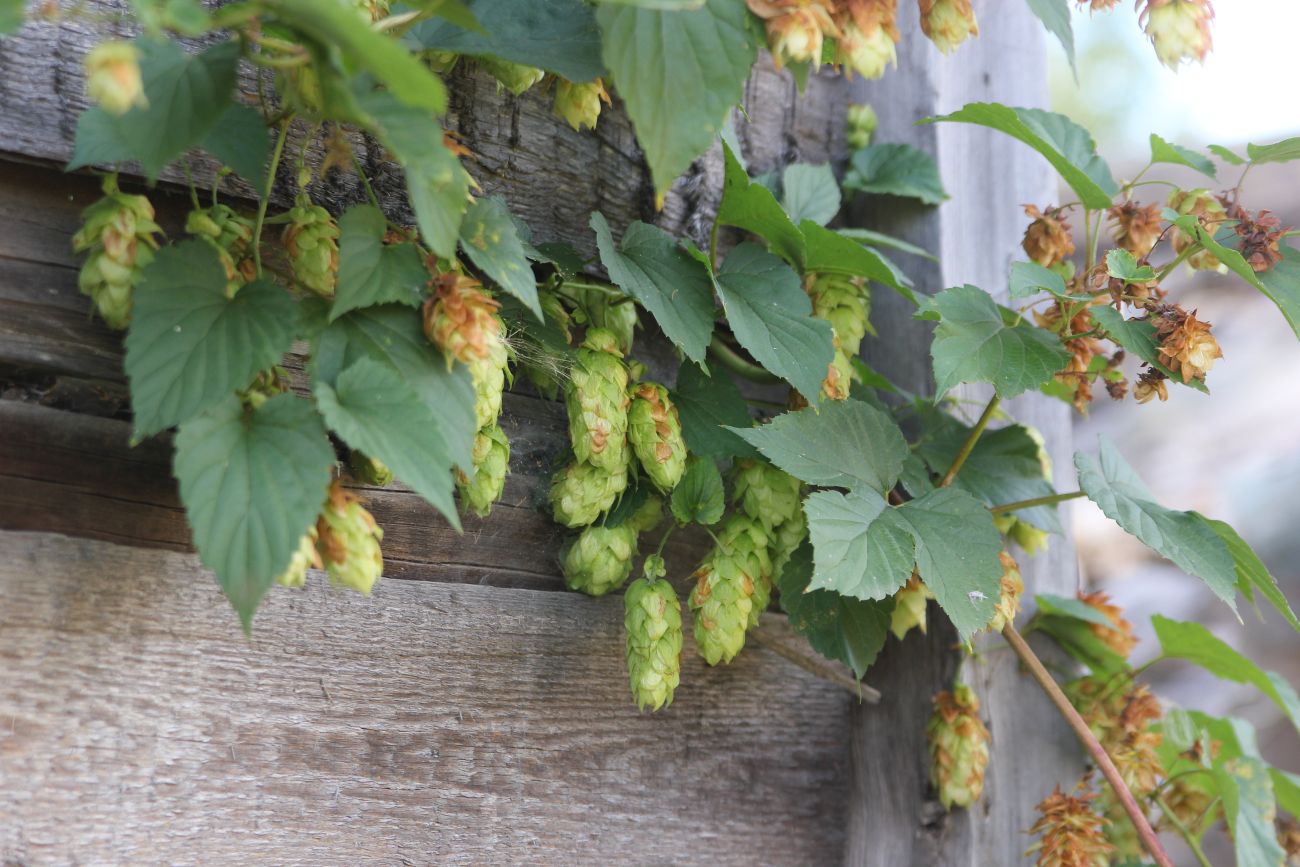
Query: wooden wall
470, 715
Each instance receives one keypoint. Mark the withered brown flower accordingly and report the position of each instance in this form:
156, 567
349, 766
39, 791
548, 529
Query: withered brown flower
796, 29
1119, 637
1259, 239
1136, 228
1151, 384
1186, 344
1071, 832
1047, 240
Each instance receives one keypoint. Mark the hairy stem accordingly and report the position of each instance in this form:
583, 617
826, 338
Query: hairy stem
266, 194
974, 437
1090, 743
1188, 837
1036, 501
730, 359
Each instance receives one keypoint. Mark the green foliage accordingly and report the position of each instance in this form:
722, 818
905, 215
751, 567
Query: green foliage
674, 286
830, 252
190, 344
1055, 15
1138, 336
810, 192
1252, 574
751, 206
1166, 152
1123, 264
896, 170
679, 72
1030, 278
488, 236
1067, 621
239, 139
372, 272
698, 497
709, 402
252, 483
1279, 152
1248, 803
11, 16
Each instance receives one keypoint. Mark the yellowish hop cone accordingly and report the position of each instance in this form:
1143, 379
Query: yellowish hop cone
579, 104
948, 23
1013, 586
959, 747
349, 541
652, 619
113, 77
1179, 29
306, 557
909, 608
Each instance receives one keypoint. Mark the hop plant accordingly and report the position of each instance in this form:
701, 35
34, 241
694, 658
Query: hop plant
118, 232
787, 536
647, 516
349, 541
948, 23
721, 605
1012, 587
371, 471
581, 492
113, 77
306, 557
844, 302
796, 29
860, 125
460, 318
655, 433
1136, 228
311, 240
231, 236
652, 619
514, 77
600, 559
1186, 344
1179, 29
839, 373
1070, 832
959, 747
488, 376
909, 608
1047, 240
744, 541
579, 104
1210, 212
491, 466
597, 401
868, 37
1030, 539
767, 495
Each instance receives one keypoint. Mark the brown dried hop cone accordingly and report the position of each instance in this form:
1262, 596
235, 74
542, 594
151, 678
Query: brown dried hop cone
1260, 236
491, 466
579, 104
304, 558
597, 401
655, 432
959, 747
600, 559
868, 36
1120, 637
231, 235
118, 232
948, 23
1210, 212
652, 619
1186, 344
909, 608
1070, 832
581, 492
113, 77
311, 240
1136, 228
1047, 240
1179, 29
349, 541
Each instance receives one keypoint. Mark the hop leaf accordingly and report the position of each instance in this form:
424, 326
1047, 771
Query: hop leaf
653, 622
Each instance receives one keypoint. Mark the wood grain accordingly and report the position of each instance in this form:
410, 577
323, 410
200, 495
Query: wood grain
428, 724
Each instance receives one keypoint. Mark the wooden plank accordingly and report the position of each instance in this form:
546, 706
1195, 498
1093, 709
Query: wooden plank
430, 723
976, 233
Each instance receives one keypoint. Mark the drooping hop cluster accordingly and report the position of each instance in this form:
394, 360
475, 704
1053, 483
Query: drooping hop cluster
1070, 832
844, 302
773, 498
1136, 228
491, 466
1047, 240
579, 103
959, 747
909, 608
867, 41
113, 77
1179, 29
311, 239
600, 558
231, 235
118, 232
652, 619
948, 23
348, 540
597, 402
655, 433
1013, 586
722, 600
306, 557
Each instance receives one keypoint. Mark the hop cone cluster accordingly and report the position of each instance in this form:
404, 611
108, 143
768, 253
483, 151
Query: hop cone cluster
1070, 832
579, 104
732, 587
118, 232
768, 495
460, 318
231, 236
311, 240
113, 77
581, 492
349, 541
652, 618
600, 559
491, 466
304, 558
655, 432
597, 401
959, 747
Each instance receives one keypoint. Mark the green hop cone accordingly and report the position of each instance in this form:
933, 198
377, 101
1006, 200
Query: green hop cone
733, 581
764, 493
231, 236
579, 104
655, 432
652, 618
514, 77
491, 466
306, 557
581, 492
613, 313
746, 542
654, 567
368, 470
860, 125
373, 10
909, 608
788, 536
349, 541
600, 559
959, 747
113, 76
647, 516
118, 232
311, 240
489, 378
596, 397
844, 302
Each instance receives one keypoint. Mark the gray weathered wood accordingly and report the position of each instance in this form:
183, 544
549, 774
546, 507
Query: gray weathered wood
428, 724
976, 234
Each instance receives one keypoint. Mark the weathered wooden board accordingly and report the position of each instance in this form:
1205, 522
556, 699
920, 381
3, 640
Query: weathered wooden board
428, 724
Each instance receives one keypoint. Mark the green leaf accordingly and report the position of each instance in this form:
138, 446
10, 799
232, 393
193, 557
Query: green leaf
1278, 152
828, 251
1065, 144
1138, 336
1123, 264
391, 334
1252, 574
1049, 604
1196, 644
239, 139
880, 239
1181, 537
841, 444
187, 96
1282, 285
1226, 155
810, 192
973, 344
372, 272
709, 402
335, 23
1055, 15
751, 206
1002, 468
1250, 808
896, 169
678, 74
664, 279
189, 345
771, 316
1030, 278
252, 484
373, 410
559, 36
1165, 152
488, 235
1081, 643
698, 497
852, 631
867, 549
11, 16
